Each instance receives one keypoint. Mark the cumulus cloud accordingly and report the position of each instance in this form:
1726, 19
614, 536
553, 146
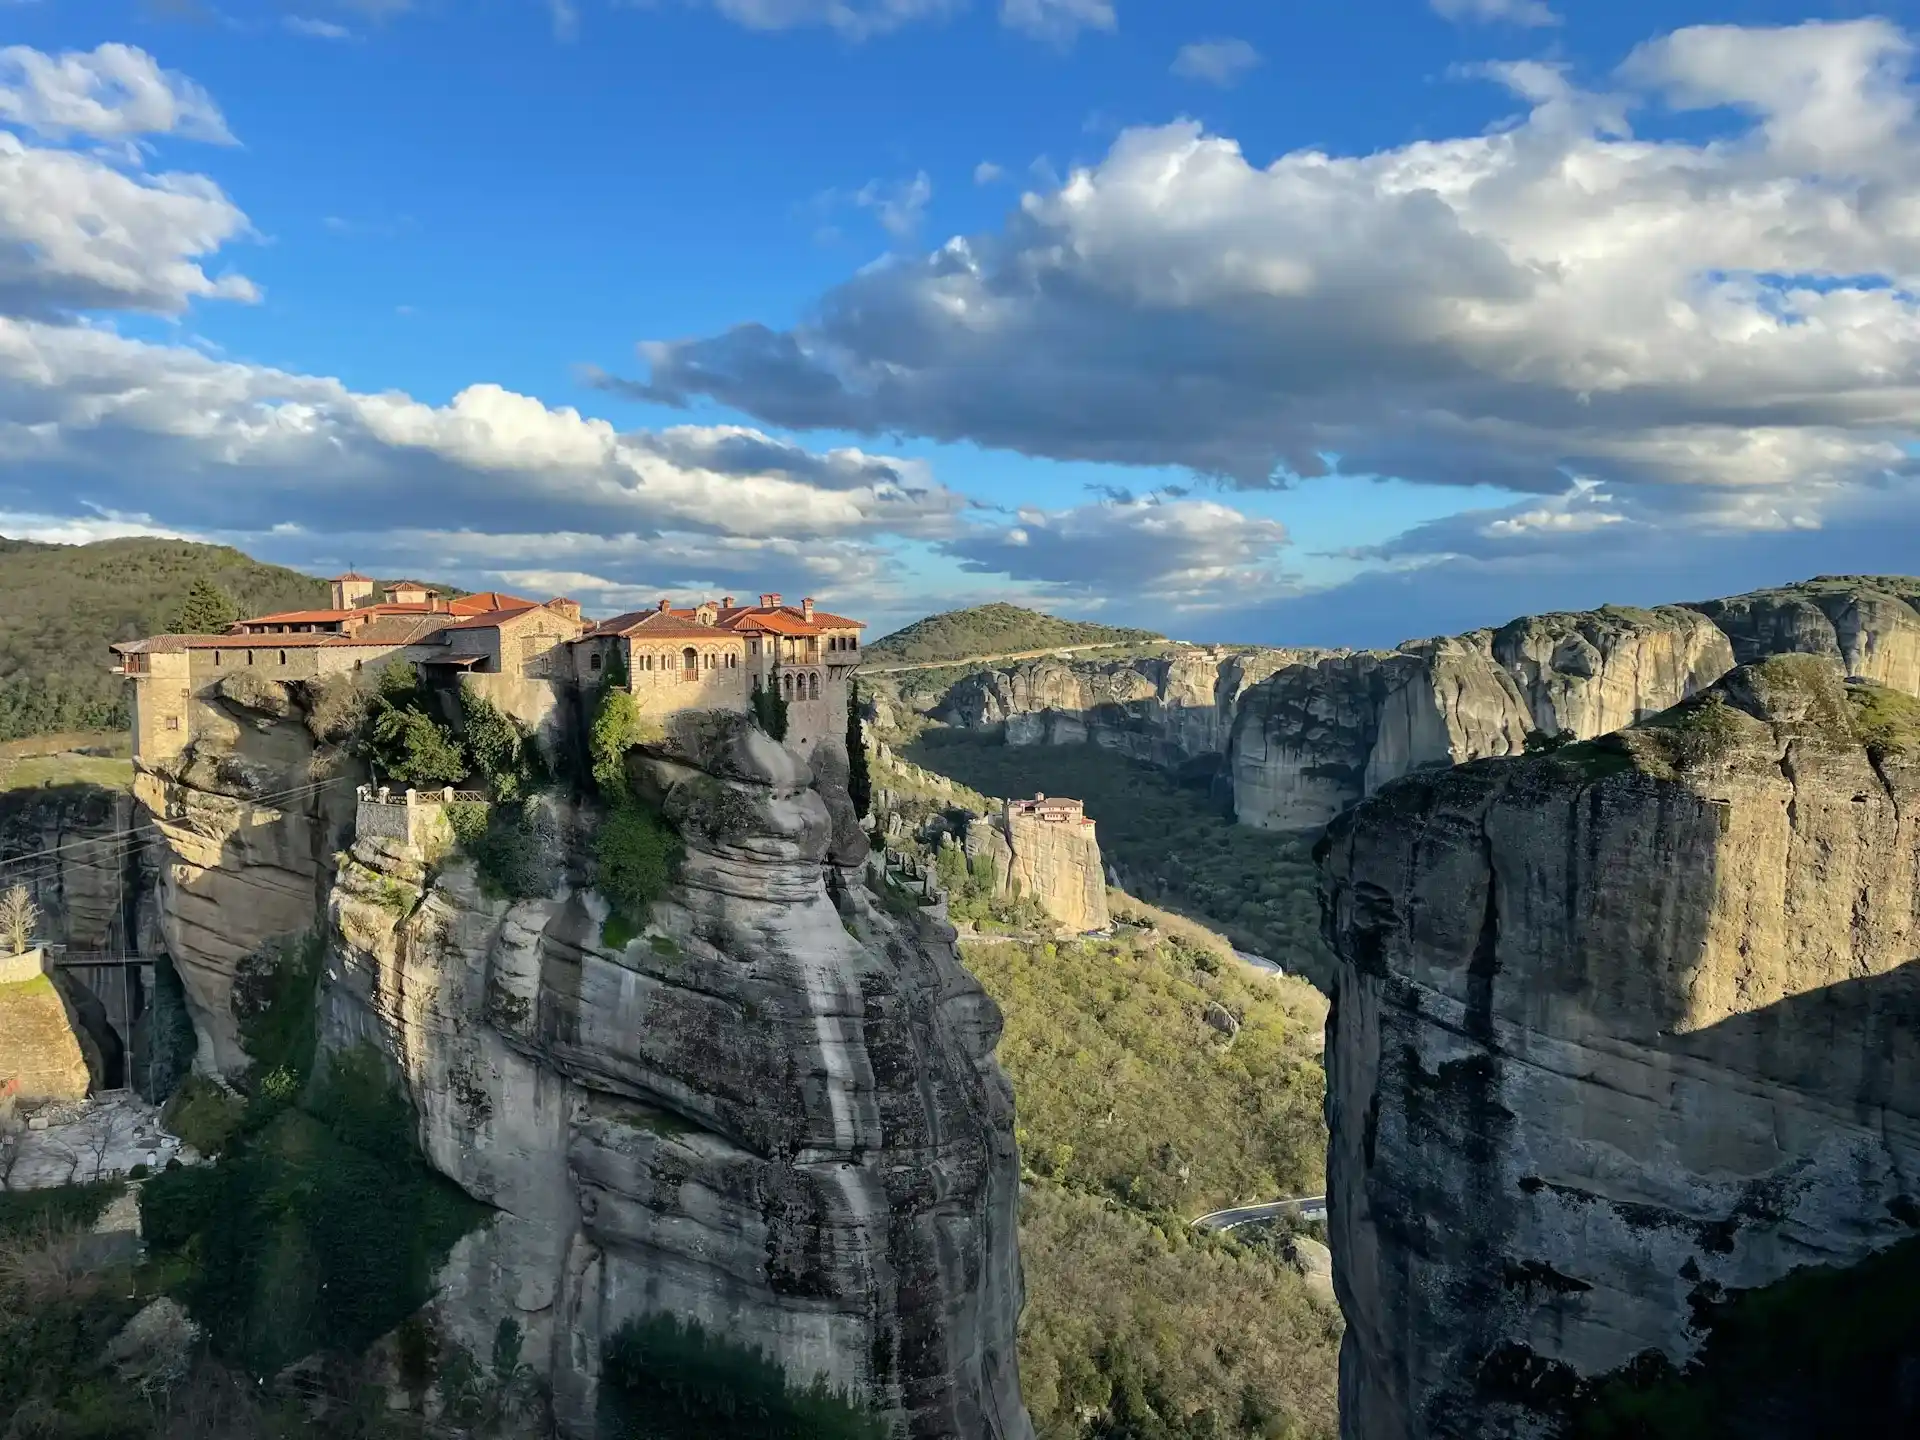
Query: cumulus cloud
986, 172
1515, 12
1217, 62
1058, 21
856, 19
1718, 332
79, 234
1189, 553
114, 92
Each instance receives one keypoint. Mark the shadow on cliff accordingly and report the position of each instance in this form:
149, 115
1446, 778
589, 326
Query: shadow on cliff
1495, 902
1825, 1351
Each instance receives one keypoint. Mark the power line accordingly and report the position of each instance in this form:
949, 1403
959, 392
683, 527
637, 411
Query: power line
147, 826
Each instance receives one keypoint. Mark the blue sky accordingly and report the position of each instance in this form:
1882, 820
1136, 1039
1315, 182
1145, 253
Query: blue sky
1272, 322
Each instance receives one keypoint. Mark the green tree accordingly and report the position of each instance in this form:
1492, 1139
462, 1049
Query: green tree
501, 750
770, 707
409, 746
637, 853
207, 610
616, 727
859, 782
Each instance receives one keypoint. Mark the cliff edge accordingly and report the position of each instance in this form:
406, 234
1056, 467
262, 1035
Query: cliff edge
1622, 1032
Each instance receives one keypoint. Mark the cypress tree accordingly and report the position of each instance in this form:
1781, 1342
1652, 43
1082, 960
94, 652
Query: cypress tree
859, 782
208, 610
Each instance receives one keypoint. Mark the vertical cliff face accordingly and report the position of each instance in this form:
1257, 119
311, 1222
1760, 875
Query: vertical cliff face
1054, 862
1301, 735
67, 844
1171, 710
1619, 1031
247, 827
776, 1112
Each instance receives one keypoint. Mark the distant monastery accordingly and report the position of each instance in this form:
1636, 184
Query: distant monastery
521, 654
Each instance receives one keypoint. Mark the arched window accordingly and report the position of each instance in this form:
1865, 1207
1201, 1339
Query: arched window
593, 663
706, 661
813, 686
786, 684
283, 657
690, 663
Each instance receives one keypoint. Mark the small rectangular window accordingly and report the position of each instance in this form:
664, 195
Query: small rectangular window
173, 722
283, 657
216, 659
594, 663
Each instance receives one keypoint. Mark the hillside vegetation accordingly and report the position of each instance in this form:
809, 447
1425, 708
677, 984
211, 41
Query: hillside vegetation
62, 605
1136, 1111
994, 629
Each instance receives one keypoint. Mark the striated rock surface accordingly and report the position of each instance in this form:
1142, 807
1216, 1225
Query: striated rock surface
1053, 861
1297, 736
776, 1113
1618, 1031
1174, 710
248, 823
67, 843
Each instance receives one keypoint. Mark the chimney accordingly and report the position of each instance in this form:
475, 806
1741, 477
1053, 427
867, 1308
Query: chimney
806, 609
727, 601
438, 603
768, 602
665, 605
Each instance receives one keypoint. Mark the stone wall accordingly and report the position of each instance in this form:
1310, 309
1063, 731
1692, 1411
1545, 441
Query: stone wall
40, 1045
27, 965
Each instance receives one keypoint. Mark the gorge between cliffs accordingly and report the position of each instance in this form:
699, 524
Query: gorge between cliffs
1619, 915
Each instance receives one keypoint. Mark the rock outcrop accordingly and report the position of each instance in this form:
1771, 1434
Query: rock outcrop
1298, 736
1050, 856
1173, 711
68, 845
40, 1042
1620, 1031
248, 823
776, 1112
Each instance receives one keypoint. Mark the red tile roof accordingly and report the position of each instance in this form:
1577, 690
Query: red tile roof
297, 617
485, 600
354, 575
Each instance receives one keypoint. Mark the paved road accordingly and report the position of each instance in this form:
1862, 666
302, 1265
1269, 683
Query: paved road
991, 659
1301, 1207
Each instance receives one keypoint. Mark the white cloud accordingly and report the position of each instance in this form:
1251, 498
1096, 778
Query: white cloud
82, 529
898, 205
316, 29
986, 172
566, 19
1516, 12
114, 92
1711, 329
1058, 21
78, 234
1217, 62
856, 19
1189, 553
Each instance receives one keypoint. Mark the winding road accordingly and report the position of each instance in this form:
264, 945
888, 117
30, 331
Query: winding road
1300, 1207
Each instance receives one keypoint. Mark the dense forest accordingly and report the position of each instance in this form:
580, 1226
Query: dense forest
62, 605
994, 629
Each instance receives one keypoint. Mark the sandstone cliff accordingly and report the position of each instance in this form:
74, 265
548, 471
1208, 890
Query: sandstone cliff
776, 1112
1620, 1031
247, 821
67, 843
1174, 710
1298, 736
1054, 862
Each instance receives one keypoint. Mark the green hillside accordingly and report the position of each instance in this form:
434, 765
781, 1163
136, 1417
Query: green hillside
995, 629
61, 605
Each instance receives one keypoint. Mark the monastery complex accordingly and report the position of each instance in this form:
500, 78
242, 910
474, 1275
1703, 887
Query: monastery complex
523, 655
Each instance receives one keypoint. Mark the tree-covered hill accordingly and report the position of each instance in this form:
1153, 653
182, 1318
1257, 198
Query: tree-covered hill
995, 629
62, 605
